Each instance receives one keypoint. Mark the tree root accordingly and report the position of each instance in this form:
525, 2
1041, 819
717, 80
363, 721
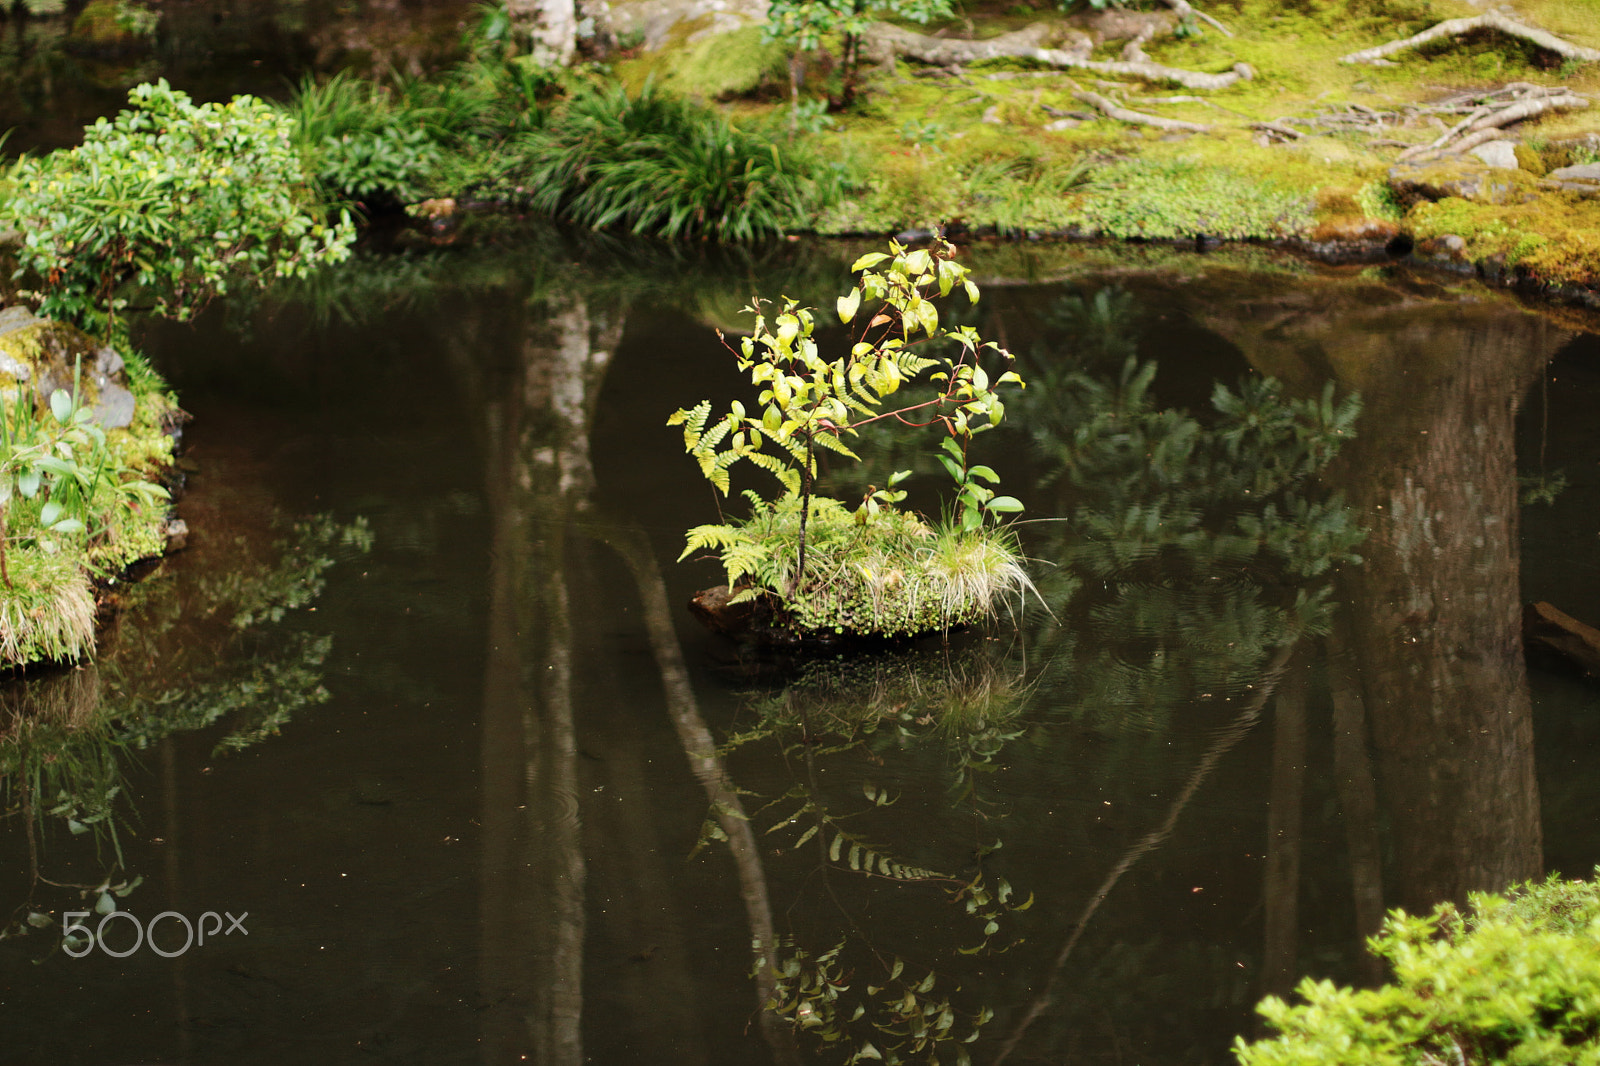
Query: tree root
1488, 20
1486, 122
1137, 118
886, 41
1186, 10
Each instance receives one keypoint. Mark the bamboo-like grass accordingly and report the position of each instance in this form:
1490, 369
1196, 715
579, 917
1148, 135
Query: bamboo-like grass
657, 164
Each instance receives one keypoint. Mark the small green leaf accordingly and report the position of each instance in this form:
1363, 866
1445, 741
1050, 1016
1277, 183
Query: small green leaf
61, 405
848, 305
1005, 504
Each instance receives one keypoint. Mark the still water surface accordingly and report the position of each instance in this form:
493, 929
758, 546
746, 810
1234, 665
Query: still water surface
421, 697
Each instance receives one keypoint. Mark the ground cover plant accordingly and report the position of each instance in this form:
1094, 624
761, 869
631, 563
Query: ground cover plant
1513, 978
872, 569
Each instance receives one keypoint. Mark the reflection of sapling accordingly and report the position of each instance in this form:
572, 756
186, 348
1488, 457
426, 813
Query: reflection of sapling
874, 570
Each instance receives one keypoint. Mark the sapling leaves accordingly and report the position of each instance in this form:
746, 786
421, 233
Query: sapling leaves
809, 403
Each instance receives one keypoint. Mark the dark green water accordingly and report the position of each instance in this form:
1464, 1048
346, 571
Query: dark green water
457, 778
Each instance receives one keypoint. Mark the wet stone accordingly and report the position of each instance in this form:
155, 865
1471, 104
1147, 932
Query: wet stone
1587, 173
1468, 180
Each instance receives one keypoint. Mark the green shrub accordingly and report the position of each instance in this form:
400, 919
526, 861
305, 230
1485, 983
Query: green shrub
359, 144
171, 197
1516, 979
661, 165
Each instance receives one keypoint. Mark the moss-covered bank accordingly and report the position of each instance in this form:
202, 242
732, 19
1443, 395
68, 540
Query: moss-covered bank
1307, 149
75, 521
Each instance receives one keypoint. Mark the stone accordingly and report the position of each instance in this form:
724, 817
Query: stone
15, 318
1501, 155
1469, 180
176, 530
47, 357
1587, 173
1062, 124
115, 407
1448, 247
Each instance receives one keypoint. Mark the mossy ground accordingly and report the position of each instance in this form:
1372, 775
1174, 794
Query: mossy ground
930, 150
47, 612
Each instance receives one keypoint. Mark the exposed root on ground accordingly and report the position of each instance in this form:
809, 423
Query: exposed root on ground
1137, 118
1186, 10
885, 41
1475, 118
1488, 20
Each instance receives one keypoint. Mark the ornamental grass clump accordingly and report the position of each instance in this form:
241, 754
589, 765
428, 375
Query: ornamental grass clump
659, 165
820, 565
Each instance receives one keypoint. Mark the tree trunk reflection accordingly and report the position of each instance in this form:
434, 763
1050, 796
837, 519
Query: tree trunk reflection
1432, 616
535, 866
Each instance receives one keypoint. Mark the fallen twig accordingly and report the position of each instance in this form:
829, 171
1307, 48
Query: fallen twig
1283, 131
1488, 20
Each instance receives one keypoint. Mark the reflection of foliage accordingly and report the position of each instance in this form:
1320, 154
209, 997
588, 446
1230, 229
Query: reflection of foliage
1515, 979
1208, 542
64, 739
1542, 488
965, 704
969, 702
264, 593
711, 281
912, 1019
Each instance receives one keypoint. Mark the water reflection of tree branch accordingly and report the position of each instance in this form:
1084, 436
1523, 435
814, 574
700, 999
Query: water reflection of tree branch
631, 542
1225, 741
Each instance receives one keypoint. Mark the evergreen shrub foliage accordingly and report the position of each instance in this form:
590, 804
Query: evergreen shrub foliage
171, 197
1514, 979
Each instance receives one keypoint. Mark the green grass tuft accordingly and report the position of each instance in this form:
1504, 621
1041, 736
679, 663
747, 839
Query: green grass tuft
894, 575
48, 612
661, 165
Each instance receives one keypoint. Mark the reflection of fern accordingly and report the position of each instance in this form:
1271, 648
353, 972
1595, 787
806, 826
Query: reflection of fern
913, 1019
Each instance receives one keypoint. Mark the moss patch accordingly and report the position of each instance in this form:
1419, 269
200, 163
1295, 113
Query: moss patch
715, 67
1554, 238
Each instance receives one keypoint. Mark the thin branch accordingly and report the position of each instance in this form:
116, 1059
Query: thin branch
1187, 10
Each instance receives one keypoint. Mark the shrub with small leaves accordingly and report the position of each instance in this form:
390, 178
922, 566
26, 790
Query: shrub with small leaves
1514, 979
170, 197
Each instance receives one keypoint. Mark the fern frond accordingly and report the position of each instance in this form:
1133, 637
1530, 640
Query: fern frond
833, 444
693, 421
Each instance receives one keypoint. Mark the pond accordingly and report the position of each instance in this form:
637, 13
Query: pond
418, 733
